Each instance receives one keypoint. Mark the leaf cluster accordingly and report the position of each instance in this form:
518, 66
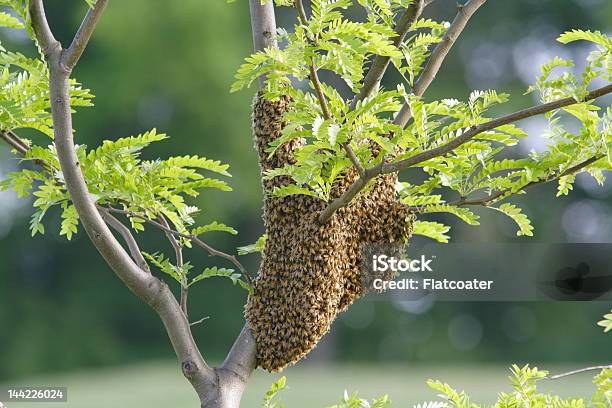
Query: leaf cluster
116, 173
524, 381
485, 170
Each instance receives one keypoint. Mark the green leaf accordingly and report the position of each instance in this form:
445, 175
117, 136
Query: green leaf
164, 264
433, 230
566, 183
6, 20
606, 323
272, 393
463, 213
258, 246
420, 200
70, 221
458, 399
213, 226
200, 163
586, 35
223, 273
514, 212
36, 225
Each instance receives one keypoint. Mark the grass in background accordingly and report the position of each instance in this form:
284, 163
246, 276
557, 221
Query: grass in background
309, 386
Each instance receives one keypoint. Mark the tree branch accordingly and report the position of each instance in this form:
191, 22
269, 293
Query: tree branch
492, 124
128, 237
14, 141
144, 285
386, 168
72, 55
426, 77
349, 194
263, 25
379, 66
241, 360
44, 36
22, 148
438, 55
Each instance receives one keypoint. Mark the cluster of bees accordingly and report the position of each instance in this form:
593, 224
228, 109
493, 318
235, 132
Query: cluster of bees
311, 272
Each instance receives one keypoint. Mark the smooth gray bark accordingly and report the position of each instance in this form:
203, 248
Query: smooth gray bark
220, 387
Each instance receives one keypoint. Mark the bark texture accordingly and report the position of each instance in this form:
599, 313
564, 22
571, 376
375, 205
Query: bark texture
310, 272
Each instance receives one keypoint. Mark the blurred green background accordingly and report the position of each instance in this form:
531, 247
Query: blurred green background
66, 319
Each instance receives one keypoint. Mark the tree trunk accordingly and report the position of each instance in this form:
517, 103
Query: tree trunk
227, 391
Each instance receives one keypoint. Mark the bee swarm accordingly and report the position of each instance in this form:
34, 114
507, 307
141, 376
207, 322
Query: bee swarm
310, 272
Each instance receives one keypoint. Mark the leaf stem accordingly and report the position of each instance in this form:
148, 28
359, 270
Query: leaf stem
178, 253
581, 370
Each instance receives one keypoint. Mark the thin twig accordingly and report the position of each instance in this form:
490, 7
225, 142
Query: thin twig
386, 168
314, 76
299, 6
316, 84
128, 237
212, 251
582, 370
15, 142
22, 148
199, 321
178, 253
438, 55
354, 159
379, 66
484, 201
504, 193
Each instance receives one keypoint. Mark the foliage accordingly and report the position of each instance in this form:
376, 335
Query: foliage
330, 41
524, 381
179, 274
182, 276
606, 323
525, 393
258, 246
116, 174
270, 398
353, 401
24, 92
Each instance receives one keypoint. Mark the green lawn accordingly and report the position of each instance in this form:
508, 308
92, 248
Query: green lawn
310, 386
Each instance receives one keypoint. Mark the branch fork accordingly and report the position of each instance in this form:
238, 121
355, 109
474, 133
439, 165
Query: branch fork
216, 387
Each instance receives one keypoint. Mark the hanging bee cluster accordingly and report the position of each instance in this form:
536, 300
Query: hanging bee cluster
310, 272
